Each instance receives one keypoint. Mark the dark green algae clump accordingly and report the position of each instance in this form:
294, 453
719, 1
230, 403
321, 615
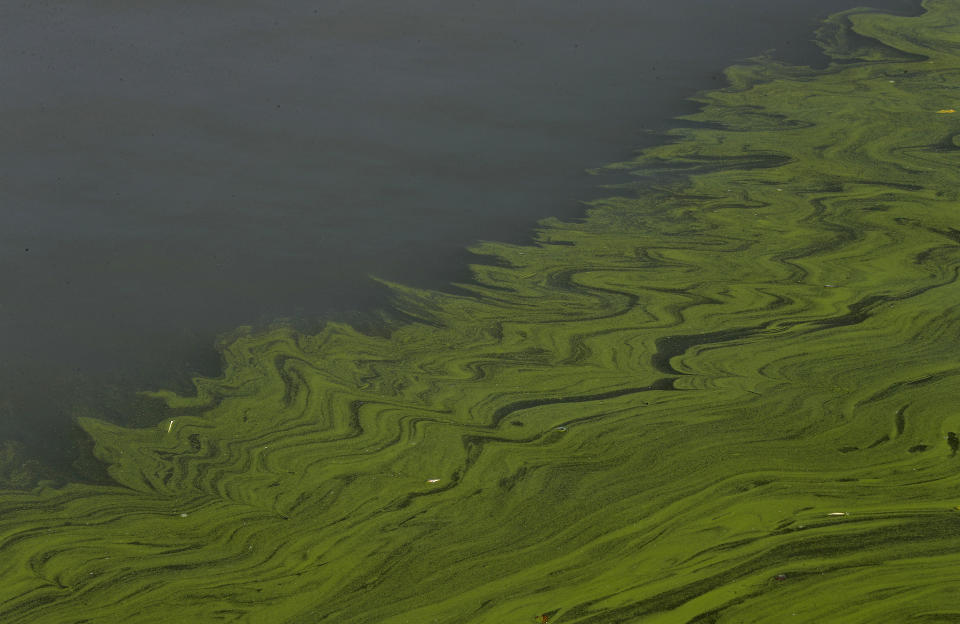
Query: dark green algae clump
733, 399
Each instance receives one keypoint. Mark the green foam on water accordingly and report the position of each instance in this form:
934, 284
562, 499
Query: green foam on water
731, 399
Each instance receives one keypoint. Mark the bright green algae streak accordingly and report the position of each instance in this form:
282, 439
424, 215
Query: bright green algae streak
655, 415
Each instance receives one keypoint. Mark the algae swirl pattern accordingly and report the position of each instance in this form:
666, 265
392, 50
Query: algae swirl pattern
731, 399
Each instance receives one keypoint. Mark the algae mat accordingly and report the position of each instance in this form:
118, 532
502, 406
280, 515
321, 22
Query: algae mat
730, 399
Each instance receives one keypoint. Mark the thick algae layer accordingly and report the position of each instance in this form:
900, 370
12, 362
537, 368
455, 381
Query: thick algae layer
736, 399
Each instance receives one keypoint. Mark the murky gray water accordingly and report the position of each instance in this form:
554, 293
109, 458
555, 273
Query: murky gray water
172, 170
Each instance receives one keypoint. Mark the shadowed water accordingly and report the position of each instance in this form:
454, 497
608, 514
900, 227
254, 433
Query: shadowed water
725, 399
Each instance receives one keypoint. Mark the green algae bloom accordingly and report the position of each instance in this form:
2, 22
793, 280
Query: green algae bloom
735, 398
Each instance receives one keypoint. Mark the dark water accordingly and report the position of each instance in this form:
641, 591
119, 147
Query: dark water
170, 172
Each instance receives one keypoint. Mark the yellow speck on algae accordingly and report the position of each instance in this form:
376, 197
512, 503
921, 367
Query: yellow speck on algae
651, 415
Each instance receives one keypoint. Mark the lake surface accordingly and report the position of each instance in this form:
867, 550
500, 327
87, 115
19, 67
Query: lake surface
171, 171
723, 393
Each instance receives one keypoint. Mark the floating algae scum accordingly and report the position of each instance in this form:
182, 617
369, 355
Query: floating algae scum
734, 399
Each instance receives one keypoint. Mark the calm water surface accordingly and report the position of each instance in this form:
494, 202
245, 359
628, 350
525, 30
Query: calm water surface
172, 171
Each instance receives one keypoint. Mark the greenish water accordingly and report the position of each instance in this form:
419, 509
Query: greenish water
733, 399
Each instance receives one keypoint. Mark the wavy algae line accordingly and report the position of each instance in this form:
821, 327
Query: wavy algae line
731, 399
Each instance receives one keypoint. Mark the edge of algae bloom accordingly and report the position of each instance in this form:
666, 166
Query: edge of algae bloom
732, 399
